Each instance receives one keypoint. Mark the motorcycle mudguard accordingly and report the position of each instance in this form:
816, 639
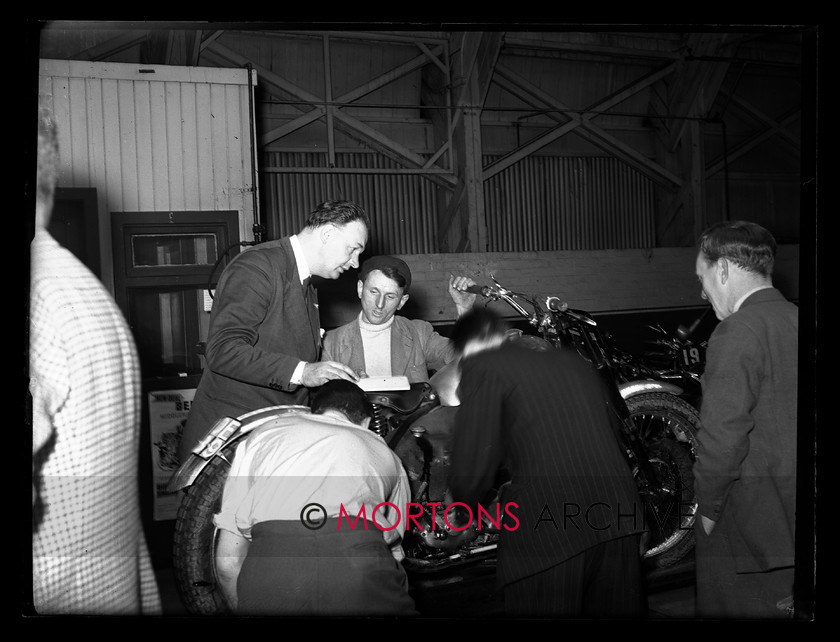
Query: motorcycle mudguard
632, 388
225, 431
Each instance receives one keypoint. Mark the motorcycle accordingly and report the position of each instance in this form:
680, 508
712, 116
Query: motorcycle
671, 356
659, 427
658, 437
429, 544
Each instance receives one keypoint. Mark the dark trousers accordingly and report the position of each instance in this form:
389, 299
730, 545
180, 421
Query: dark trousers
722, 593
294, 571
604, 581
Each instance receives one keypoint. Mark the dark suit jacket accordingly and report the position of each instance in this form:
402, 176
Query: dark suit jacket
745, 473
260, 328
415, 348
543, 415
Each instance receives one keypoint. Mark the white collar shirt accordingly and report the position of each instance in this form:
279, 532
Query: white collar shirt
740, 301
299, 460
300, 259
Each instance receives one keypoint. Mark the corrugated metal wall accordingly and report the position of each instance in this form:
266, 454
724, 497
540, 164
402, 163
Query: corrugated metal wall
153, 138
401, 206
540, 204
545, 203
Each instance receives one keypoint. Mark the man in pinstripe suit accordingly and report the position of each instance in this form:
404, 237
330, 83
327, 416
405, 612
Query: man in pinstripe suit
571, 547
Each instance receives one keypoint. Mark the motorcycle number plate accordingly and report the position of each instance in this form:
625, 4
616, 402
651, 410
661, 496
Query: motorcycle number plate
693, 355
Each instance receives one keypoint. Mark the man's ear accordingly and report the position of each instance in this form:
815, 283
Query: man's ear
723, 270
326, 232
359, 287
402, 301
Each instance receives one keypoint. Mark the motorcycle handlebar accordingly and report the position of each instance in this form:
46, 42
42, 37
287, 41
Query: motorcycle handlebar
553, 303
483, 290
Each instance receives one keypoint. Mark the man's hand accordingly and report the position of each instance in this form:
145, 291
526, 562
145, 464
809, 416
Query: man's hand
457, 290
317, 374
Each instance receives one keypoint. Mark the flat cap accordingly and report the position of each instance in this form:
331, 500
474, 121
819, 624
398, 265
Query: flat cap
388, 265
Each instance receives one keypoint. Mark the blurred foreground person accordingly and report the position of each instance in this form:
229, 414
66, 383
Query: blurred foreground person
745, 473
89, 554
572, 546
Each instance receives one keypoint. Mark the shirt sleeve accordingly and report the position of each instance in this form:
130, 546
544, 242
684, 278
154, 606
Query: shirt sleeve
439, 351
297, 375
49, 376
234, 496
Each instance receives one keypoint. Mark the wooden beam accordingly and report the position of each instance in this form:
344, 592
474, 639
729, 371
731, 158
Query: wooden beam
113, 46
293, 125
488, 56
761, 117
536, 97
330, 109
696, 178
390, 148
696, 83
754, 141
386, 78
447, 217
352, 127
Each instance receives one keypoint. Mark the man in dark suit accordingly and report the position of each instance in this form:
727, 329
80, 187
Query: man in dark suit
745, 473
264, 340
571, 548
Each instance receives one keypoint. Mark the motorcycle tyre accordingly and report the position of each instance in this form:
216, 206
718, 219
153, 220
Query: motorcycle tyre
194, 542
678, 456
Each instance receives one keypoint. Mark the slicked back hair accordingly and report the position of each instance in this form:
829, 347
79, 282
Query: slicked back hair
338, 213
747, 245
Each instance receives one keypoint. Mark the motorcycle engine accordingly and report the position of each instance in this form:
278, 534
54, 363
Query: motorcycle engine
435, 533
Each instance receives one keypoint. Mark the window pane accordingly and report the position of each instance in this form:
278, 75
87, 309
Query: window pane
153, 250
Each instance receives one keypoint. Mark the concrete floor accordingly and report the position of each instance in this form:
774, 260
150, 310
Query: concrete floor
471, 594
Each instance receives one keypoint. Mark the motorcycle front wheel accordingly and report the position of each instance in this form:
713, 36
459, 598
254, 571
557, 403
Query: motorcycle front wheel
194, 543
667, 426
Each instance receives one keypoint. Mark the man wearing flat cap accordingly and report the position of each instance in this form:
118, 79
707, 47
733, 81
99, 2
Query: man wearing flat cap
379, 343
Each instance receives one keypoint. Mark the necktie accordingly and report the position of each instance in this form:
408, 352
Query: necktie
307, 289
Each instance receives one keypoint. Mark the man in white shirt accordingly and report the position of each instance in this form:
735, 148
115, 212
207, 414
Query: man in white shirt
312, 515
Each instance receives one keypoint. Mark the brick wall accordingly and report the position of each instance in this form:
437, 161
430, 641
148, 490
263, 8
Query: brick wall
596, 281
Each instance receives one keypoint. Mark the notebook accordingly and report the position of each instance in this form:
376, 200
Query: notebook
378, 384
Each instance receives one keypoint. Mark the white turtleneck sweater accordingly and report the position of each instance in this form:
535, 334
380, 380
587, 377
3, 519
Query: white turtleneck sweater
376, 340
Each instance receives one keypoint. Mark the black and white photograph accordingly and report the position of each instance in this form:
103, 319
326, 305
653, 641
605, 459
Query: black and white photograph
434, 320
